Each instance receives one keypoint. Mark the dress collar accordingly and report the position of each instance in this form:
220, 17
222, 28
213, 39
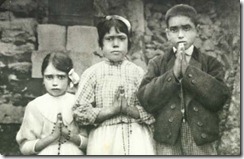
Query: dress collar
114, 63
50, 106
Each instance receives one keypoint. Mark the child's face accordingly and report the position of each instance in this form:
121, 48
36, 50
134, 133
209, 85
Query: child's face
55, 81
115, 45
181, 29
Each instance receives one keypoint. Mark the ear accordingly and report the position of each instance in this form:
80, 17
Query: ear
100, 52
198, 28
167, 33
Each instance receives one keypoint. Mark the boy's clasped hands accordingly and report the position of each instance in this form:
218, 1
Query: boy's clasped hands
181, 63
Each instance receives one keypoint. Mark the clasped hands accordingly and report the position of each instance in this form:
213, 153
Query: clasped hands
120, 103
180, 64
60, 131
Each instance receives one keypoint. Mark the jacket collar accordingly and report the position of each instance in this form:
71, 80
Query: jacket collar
188, 52
194, 61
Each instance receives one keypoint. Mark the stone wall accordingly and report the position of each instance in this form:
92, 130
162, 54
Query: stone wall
219, 36
17, 42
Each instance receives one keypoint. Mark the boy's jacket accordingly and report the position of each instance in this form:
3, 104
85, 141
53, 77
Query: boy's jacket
204, 93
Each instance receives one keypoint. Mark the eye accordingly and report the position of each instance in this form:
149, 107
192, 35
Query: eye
108, 38
61, 77
122, 38
173, 29
186, 28
48, 77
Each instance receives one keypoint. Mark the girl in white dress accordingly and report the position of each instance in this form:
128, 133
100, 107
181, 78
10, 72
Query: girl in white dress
106, 97
48, 127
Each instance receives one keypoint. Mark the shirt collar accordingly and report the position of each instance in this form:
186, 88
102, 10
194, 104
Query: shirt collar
114, 63
189, 51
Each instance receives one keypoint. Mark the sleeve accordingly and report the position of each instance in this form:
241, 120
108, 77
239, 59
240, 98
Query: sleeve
208, 87
84, 112
30, 130
156, 90
83, 138
145, 117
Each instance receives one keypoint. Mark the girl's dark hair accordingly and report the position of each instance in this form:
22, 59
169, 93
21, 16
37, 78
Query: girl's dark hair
181, 10
59, 60
105, 25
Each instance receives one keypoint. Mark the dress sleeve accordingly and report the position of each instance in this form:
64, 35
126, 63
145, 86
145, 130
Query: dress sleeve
83, 138
30, 130
84, 112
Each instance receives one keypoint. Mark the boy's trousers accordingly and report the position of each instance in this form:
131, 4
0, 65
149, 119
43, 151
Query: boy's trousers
186, 145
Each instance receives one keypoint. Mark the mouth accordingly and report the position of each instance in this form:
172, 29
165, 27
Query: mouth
116, 52
179, 42
55, 89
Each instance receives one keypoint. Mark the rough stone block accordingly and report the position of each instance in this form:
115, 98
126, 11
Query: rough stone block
51, 37
82, 44
23, 8
230, 142
136, 15
25, 24
234, 116
4, 25
82, 39
36, 59
18, 37
6, 15
11, 114
21, 69
81, 61
208, 45
13, 53
7, 49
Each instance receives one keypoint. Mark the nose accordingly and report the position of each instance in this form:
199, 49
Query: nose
180, 34
115, 42
55, 82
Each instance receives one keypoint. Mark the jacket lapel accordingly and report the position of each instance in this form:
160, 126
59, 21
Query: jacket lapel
170, 60
195, 59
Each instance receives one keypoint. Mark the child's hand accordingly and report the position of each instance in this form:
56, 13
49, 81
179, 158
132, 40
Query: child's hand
58, 125
184, 64
177, 65
117, 103
66, 132
124, 105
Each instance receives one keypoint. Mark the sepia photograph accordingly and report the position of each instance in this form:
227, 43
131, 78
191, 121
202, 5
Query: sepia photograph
120, 77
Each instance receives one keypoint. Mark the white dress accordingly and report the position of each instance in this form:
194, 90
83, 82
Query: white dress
120, 135
38, 122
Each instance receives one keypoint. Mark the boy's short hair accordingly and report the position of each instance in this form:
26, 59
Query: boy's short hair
181, 10
105, 25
